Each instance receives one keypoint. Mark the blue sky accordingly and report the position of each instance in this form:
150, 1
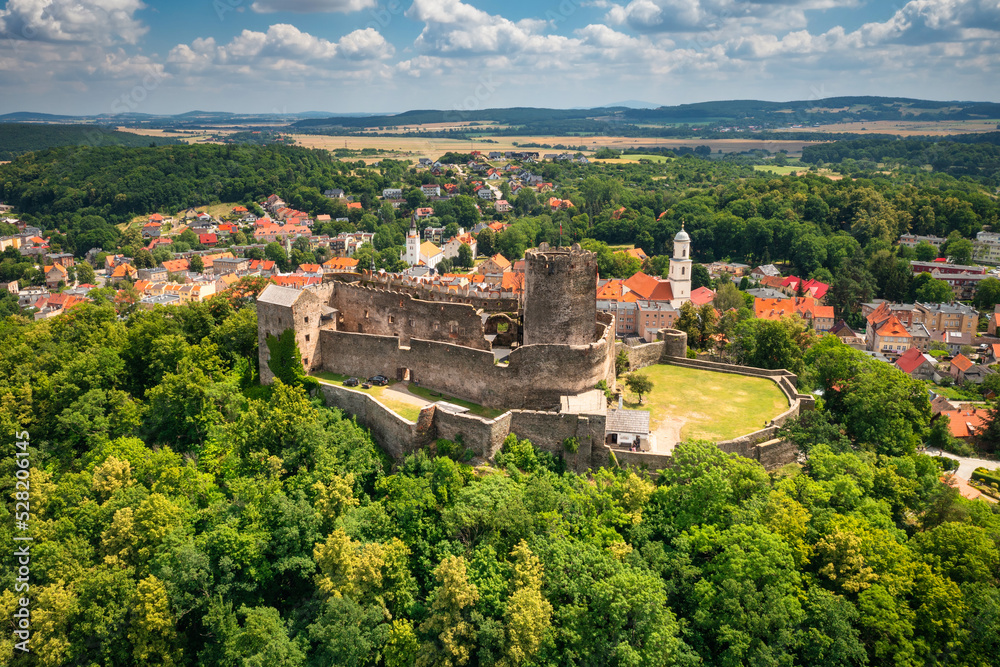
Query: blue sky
284, 56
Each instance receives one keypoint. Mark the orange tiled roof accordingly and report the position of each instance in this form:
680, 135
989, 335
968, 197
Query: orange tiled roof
642, 284
772, 309
965, 423
176, 265
893, 327
962, 363
341, 263
702, 295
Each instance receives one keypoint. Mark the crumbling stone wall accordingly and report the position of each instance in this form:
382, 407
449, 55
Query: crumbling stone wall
391, 313
304, 316
535, 377
560, 295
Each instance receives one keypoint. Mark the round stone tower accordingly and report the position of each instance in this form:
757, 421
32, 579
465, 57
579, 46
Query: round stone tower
560, 296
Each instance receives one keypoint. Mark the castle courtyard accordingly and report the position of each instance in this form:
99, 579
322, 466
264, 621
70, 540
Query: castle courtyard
689, 403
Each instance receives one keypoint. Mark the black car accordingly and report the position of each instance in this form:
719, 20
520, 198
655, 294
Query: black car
379, 380
351, 382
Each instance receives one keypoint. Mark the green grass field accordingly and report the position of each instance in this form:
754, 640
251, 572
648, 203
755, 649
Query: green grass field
474, 408
784, 171
716, 406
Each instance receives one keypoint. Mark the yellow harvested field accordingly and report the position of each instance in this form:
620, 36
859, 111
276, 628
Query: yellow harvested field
433, 147
905, 128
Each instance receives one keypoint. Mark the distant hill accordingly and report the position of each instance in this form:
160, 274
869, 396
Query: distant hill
724, 112
20, 138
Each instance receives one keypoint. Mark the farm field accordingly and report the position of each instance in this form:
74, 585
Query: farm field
705, 404
433, 147
905, 127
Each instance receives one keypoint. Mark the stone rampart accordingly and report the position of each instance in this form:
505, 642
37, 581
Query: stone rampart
550, 430
481, 435
397, 436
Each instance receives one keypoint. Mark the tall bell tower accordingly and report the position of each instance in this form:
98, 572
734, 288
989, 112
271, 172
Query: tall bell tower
412, 254
680, 269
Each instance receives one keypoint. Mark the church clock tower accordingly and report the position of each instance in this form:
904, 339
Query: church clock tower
680, 269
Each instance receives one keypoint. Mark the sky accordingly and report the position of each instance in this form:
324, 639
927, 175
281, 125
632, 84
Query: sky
349, 56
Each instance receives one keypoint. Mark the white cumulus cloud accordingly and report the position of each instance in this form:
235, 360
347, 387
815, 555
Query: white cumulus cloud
311, 6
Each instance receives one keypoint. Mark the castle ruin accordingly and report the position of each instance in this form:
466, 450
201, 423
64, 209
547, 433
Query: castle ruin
566, 347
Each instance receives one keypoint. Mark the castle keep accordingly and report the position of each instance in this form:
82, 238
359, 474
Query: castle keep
566, 347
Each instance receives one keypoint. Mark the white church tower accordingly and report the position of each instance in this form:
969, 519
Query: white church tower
412, 254
680, 269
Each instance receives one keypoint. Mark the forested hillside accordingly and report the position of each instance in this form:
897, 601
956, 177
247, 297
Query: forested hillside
20, 138
184, 515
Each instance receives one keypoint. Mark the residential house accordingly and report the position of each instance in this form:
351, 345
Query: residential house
431, 190
123, 272
966, 422
485, 193
626, 315
176, 265
963, 279
649, 288
155, 274
62, 258
637, 253
55, 274
340, 265
557, 204
987, 248
392, 193
424, 212
766, 270
847, 335
208, 239
889, 337
263, 267
226, 265
813, 288
954, 340
452, 246
151, 231
334, 193
502, 206
651, 316
918, 365
913, 240
991, 326
494, 268
702, 295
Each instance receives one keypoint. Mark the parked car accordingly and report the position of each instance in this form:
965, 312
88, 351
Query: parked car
365, 385
351, 382
379, 380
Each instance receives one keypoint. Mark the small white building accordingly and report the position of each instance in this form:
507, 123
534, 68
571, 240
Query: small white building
628, 428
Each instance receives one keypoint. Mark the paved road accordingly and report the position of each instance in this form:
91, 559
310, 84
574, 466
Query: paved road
966, 465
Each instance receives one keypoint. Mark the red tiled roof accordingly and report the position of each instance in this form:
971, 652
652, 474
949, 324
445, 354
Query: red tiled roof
910, 360
206, 239
176, 265
701, 296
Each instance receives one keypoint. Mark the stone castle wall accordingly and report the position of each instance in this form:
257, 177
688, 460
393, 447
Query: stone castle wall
535, 376
390, 313
305, 317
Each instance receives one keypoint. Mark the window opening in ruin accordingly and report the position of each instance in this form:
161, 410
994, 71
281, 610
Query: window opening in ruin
392, 319
437, 326
307, 338
305, 319
411, 323
366, 314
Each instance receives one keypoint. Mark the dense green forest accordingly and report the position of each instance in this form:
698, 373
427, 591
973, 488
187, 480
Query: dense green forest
20, 138
963, 155
184, 515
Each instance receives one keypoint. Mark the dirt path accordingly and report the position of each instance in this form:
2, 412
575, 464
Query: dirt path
668, 434
401, 392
